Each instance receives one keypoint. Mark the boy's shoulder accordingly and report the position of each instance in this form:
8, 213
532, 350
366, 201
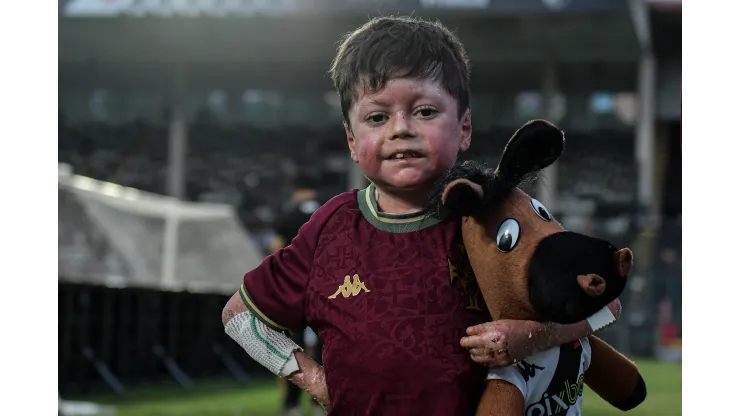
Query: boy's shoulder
331, 210
345, 200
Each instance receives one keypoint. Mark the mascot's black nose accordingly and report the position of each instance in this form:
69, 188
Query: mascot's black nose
576, 254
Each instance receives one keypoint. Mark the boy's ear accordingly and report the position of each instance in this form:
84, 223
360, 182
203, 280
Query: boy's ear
533, 147
466, 130
351, 142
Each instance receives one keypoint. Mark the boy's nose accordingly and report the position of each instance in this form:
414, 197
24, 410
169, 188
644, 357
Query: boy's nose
401, 126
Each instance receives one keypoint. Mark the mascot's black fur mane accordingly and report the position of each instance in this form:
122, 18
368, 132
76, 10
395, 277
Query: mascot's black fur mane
532, 148
495, 188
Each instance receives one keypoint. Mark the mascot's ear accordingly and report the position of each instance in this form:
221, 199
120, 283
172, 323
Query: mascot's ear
533, 147
623, 258
462, 197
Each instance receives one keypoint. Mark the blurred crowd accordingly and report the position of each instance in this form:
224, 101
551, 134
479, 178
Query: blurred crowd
251, 167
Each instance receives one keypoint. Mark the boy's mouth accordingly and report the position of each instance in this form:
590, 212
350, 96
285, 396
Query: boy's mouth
405, 155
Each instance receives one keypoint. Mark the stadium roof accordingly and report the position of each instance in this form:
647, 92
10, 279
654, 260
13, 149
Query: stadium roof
493, 31
247, 8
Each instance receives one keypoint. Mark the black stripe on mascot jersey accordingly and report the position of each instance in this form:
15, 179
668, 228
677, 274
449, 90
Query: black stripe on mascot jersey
566, 385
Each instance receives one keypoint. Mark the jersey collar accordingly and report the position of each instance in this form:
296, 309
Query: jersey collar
394, 223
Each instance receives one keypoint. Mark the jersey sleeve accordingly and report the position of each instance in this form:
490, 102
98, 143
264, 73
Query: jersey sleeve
275, 291
512, 375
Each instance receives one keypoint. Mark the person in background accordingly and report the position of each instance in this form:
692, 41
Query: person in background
302, 204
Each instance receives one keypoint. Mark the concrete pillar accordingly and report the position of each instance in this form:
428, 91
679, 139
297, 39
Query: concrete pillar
178, 135
645, 130
547, 183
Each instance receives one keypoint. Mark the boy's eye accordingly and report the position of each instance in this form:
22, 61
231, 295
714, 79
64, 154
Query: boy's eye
426, 112
376, 118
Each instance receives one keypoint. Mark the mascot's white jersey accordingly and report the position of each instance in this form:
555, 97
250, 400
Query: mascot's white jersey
552, 380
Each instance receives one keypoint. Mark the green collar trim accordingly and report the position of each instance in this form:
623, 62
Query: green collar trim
393, 223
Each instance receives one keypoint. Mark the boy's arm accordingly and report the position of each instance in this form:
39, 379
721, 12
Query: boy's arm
501, 398
311, 379
563, 334
505, 393
256, 339
272, 300
502, 343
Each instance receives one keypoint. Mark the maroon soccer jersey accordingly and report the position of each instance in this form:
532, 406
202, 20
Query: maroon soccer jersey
390, 296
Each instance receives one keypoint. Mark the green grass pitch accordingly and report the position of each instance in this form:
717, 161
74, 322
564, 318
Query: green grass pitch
262, 398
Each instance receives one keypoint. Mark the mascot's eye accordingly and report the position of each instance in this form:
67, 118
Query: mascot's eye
508, 235
541, 210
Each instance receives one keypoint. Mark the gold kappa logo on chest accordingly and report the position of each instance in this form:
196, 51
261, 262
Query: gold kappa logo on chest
462, 276
352, 288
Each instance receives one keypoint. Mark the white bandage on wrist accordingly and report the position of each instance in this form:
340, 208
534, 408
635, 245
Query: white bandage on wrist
271, 348
601, 319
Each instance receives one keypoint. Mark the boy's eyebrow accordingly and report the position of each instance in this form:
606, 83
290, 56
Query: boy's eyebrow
383, 103
379, 102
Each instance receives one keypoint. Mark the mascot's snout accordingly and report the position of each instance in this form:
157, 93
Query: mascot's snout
579, 272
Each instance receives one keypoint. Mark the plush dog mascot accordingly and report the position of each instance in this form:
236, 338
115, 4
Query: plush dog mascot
528, 267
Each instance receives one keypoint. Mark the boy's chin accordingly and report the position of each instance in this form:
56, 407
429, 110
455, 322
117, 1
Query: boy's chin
406, 183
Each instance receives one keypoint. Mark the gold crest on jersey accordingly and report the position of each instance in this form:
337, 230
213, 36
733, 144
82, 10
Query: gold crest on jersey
462, 276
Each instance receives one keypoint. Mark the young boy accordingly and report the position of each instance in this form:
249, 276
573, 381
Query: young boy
385, 285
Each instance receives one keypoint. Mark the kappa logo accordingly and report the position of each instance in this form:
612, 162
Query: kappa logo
527, 370
348, 288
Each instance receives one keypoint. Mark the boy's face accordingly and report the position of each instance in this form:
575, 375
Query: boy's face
406, 135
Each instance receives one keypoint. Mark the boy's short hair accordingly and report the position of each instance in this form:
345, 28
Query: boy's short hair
397, 47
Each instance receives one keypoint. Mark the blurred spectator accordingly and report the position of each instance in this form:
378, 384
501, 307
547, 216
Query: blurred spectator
302, 204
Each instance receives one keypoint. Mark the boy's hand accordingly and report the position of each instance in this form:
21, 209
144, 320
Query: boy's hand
505, 342
311, 379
